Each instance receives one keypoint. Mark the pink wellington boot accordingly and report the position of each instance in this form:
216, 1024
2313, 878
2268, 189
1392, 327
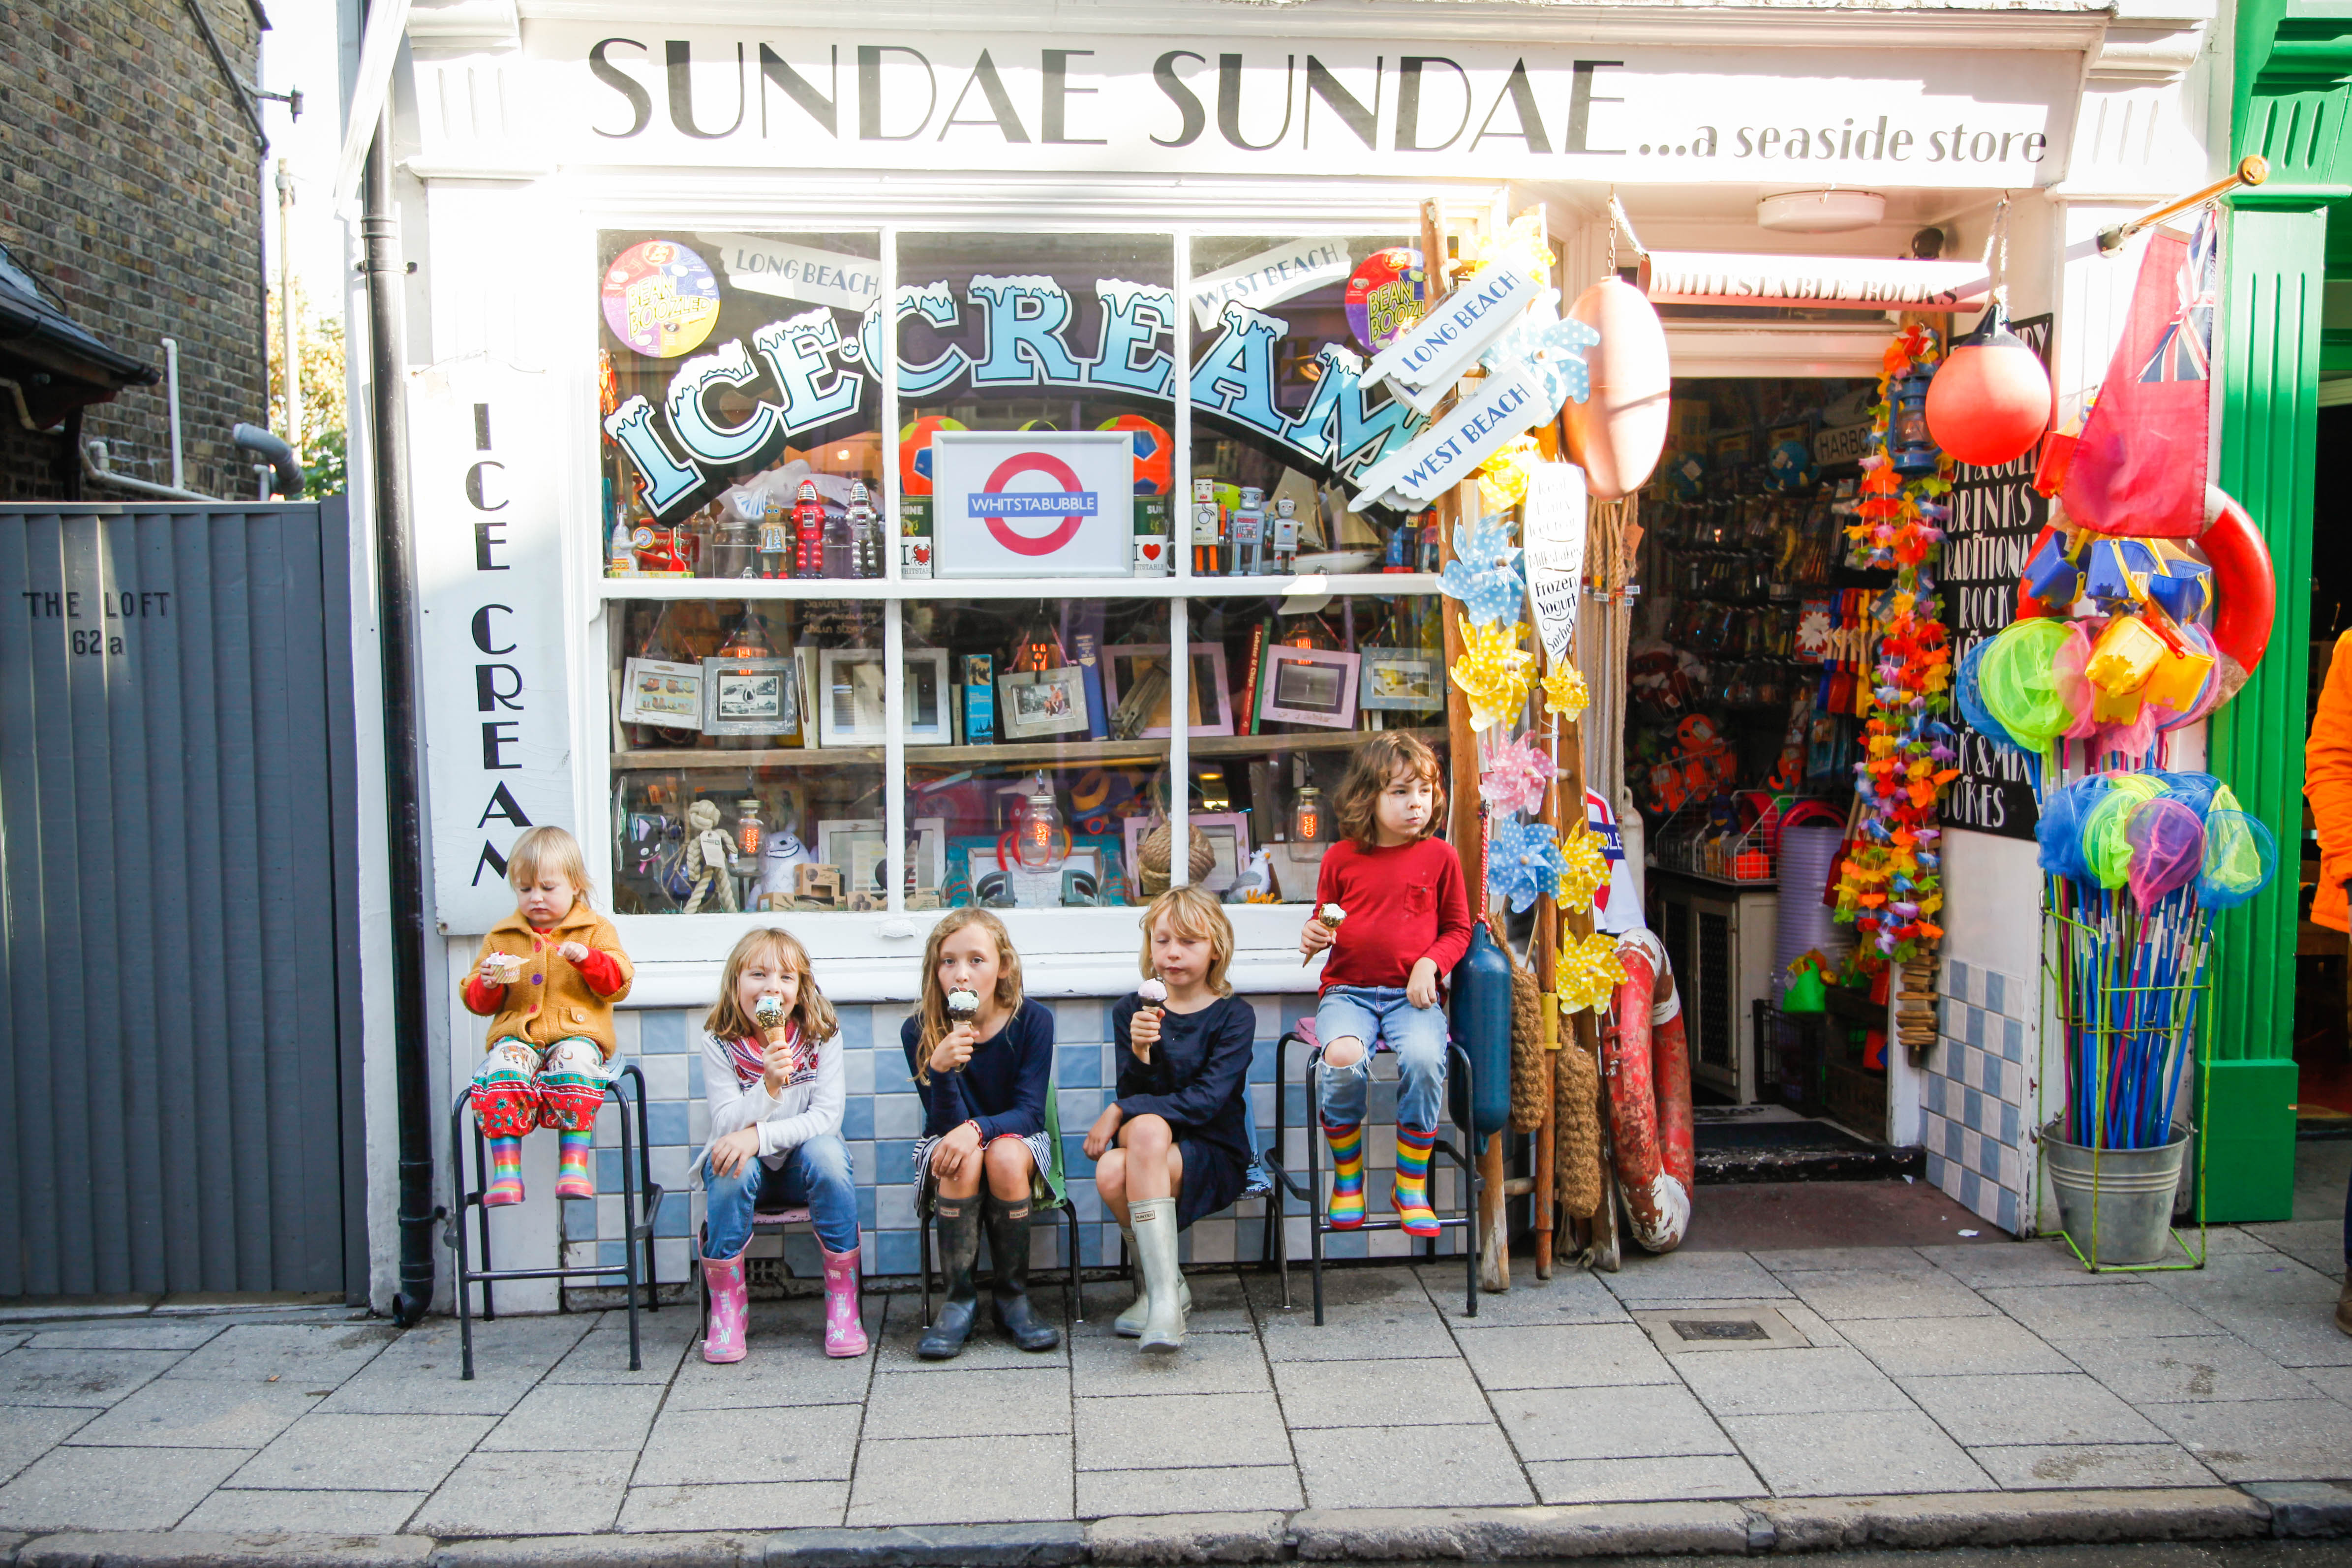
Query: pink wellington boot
730, 1305
845, 1335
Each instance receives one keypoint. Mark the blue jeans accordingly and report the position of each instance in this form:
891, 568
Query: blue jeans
815, 1173
1416, 1035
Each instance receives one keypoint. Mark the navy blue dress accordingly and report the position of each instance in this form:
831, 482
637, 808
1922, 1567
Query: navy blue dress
1198, 1079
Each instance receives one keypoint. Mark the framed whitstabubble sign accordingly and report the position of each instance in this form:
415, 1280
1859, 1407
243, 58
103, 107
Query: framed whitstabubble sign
1032, 503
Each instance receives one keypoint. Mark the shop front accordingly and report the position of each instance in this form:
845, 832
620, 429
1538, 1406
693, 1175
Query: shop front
869, 471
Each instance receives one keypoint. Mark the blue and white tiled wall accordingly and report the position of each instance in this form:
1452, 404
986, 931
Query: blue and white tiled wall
1976, 1097
883, 1116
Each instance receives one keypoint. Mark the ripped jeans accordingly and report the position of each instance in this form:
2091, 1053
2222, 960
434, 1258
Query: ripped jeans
1415, 1035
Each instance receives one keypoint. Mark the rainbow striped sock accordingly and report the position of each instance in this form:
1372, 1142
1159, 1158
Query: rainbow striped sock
1346, 1174
505, 1174
1411, 1199
572, 1176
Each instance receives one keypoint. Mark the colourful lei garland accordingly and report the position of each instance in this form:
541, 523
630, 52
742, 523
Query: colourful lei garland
1890, 882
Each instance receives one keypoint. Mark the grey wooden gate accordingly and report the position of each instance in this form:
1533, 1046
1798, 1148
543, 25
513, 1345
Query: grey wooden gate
179, 1048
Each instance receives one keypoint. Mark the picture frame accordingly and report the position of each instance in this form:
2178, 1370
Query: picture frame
850, 710
751, 696
804, 661
1036, 705
1228, 835
855, 844
997, 886
930, 708
926, 858
1397, 681
1308, 686
660, 693
1209, 704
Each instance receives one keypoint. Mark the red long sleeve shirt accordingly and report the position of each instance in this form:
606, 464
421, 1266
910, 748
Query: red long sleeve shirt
1401, 904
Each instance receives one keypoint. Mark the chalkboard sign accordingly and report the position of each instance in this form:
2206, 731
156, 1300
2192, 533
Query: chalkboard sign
1996, 513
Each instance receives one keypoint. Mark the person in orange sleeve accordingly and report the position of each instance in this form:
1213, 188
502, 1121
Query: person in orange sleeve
2328, 783
547, 976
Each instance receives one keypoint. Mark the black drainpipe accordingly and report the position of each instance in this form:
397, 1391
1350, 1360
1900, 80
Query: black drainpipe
395, 612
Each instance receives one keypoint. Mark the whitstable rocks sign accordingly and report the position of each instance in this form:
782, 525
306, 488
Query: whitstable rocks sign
658, 93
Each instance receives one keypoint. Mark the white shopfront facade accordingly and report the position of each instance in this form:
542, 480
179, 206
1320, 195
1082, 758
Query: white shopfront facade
1208, 160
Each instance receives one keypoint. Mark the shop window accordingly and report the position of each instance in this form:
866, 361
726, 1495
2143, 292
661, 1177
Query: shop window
797, 676
759, 722
742, 427
1043, 774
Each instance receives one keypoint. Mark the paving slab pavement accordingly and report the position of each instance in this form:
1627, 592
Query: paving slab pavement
1994, 1386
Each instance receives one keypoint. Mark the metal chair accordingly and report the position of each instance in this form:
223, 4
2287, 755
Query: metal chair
765, 1220
1310, 1192
1074, 1288
637, 1184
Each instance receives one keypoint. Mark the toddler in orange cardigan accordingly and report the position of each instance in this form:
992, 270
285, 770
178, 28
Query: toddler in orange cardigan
548, 974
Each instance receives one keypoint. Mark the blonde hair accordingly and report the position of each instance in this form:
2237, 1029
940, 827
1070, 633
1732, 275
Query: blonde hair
933, 1014
1377, 761
548, 849
1194, 914
811, 1012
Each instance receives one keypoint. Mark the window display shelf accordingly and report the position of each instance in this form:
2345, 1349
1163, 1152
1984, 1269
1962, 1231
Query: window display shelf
1143, 751
667, 586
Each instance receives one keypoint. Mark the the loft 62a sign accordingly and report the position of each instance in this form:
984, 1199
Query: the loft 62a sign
1017, 503
1109, 337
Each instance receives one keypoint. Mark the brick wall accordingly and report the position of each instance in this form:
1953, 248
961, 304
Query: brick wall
130, 182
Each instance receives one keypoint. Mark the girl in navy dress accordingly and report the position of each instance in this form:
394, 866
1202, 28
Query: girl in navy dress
981, 1055
1175, 1144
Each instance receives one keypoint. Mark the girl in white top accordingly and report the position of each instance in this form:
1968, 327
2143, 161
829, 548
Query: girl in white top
773, 1071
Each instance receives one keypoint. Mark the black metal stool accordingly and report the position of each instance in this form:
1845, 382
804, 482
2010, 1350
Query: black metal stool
637, 1183
1311, 1191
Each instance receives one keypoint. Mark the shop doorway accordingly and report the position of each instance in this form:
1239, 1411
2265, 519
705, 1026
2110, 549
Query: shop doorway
1740, 741
2322, 989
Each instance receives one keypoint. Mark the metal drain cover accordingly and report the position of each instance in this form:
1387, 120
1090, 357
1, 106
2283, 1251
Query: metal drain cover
1718, 1328
1691, 1331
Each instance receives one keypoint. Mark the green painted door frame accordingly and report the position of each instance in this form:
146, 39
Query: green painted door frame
2293, 84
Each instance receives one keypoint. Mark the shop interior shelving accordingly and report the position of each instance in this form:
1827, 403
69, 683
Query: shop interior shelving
1149, 751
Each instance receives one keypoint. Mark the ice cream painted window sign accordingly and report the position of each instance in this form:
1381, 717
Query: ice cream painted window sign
496, 721
1068, 99
804, 373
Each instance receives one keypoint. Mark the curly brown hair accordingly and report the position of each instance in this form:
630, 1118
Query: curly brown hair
1378, 761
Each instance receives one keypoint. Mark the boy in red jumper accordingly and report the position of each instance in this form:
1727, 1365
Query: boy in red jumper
1402, 919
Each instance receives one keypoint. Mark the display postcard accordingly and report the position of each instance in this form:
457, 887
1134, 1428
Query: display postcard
657, 691
929, 712
1228, 836
1395, 682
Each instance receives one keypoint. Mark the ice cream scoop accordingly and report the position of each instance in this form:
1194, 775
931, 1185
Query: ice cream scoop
501, 968
1329, 915
768, 1013
1153, 994
962, 1003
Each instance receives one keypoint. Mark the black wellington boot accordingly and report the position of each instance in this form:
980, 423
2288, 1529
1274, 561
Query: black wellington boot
1008, 1243
955, 1222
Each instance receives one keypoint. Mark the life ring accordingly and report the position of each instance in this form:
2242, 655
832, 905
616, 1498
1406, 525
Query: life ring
1648, 1070
2245, 591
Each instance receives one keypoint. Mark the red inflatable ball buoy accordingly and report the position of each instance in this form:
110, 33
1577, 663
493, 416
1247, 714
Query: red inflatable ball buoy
1990, 399
1618, 431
